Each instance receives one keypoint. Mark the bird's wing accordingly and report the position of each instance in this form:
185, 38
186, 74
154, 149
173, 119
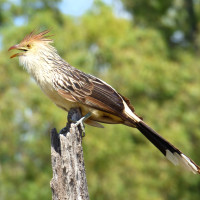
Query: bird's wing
77, 86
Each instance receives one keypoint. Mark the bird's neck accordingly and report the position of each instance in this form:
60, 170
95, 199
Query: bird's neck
41, 65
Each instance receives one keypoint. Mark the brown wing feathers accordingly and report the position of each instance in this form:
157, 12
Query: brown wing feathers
88, 90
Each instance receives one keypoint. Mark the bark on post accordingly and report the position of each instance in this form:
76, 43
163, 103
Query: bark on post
69, 178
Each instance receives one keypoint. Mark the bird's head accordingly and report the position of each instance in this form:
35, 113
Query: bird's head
35, 53
31, 44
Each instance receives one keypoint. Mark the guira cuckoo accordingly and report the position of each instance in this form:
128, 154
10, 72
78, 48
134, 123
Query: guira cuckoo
68, 88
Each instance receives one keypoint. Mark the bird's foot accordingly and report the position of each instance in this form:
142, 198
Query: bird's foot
81, 123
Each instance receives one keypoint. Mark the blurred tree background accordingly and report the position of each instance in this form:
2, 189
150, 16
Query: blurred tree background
151, 55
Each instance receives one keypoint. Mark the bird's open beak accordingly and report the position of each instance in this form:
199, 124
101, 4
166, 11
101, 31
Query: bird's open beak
17, 46
14, 47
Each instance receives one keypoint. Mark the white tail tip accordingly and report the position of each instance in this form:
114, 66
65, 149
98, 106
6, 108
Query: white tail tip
183, 160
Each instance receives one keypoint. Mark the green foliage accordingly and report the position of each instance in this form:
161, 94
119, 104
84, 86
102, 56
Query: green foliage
168, 17
120, 162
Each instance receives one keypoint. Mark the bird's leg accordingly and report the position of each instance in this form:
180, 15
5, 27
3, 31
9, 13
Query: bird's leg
81, 121
74, 115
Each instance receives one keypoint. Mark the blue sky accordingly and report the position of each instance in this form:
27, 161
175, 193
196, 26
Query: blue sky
69, 7
78, 7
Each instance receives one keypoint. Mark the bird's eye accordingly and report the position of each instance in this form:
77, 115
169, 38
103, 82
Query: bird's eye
28, 45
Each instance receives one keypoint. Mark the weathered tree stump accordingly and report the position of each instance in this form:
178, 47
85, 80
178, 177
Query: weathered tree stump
69, 177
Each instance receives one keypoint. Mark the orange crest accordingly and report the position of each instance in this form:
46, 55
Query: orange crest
37, 37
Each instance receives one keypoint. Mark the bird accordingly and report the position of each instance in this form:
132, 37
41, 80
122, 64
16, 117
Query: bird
68, 87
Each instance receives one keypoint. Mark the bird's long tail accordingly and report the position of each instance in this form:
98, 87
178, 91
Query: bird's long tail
170, 152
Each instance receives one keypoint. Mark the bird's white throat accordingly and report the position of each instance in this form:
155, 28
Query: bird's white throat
39, 64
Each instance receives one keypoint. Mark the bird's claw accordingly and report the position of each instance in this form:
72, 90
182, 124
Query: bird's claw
81, 123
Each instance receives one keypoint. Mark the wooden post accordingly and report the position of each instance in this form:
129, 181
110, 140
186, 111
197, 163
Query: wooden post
69, 178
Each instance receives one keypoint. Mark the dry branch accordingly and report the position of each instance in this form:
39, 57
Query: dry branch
69, 178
